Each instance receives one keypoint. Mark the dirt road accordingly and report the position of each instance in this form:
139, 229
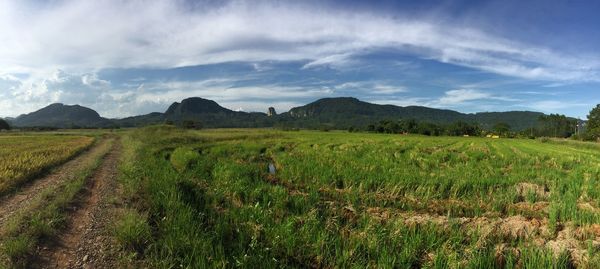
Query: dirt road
86, 242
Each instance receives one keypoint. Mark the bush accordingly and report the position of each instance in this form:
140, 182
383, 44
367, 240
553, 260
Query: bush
191, 124
132, 231
324, 128
182, 157
592, 134
17, 248
544, 139
4, 125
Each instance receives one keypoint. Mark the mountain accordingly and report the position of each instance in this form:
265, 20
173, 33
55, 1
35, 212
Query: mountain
62, 116
195, 106
141, 120
207, 112
518, 120
344, 112
337, 113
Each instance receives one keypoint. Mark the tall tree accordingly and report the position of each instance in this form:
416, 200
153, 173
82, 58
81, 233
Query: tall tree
556, 125
501, 128
594, 118
4, 125
592, 131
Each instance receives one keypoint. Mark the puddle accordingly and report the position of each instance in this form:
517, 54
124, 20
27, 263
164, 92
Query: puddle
272, 169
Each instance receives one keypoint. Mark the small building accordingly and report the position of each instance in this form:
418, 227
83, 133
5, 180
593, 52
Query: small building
271, 112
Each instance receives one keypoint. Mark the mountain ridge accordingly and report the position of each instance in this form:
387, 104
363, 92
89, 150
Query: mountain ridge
335, 112
59, 115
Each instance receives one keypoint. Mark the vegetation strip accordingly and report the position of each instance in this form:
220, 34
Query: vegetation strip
45, 216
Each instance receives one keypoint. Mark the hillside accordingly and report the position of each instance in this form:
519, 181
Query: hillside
207, 112
344, 112
195, 106
518, 120
338, 113
62, 116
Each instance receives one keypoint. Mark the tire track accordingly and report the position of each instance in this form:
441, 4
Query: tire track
85, 242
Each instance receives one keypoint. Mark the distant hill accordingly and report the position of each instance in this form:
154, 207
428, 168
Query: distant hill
141, 120
518, 120
207, 112
62, 116
195, 106
344, 112
337, 113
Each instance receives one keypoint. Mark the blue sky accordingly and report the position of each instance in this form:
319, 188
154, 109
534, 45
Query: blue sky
125, 58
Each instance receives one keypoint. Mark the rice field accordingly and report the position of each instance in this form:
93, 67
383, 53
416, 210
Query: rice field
271, 199
23, 157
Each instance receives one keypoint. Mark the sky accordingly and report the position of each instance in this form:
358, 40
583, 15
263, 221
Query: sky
125, 58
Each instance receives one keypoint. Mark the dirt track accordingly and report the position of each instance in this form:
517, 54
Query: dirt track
86, 243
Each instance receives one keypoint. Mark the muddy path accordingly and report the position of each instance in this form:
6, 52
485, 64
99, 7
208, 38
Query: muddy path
85, 243
19, 200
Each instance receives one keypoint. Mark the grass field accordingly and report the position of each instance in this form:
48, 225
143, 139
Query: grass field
335, 199
26, 156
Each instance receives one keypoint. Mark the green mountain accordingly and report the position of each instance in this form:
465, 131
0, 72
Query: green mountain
62, 116
141, 120
345, 112
196, 106
337, 113
206, 112
211, 114
518, 120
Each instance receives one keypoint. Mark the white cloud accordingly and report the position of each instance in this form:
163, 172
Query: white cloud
146, 96
92, 80
551, 106
454, 97
409, 101
460, 96
336, 61
370, 87
88, 35
82, 37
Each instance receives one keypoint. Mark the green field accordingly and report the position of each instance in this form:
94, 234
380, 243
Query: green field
208, 199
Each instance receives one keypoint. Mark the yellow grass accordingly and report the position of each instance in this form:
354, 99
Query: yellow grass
23, 157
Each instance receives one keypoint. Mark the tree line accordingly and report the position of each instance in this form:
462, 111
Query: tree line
553, 125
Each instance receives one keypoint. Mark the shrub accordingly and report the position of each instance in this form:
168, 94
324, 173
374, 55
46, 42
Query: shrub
182, 157
132, 231
4, 125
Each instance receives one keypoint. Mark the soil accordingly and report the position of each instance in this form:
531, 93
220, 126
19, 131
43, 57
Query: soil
86, 242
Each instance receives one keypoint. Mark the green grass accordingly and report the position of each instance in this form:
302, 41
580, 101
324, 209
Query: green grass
355, 200
132, 230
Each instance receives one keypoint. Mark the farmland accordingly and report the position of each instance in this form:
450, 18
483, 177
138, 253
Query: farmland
340, 200
164, 197
24, 157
